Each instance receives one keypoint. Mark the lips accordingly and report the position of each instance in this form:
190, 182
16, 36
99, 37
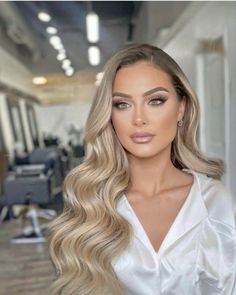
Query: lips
141, 137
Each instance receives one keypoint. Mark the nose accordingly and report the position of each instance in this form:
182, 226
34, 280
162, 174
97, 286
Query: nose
139, 117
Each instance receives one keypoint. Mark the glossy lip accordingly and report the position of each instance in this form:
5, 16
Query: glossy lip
141, 137
141, 134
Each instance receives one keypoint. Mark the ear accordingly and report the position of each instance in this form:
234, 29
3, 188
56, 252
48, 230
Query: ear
181, 109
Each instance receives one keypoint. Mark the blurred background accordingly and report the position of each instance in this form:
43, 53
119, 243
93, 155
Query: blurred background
52, 55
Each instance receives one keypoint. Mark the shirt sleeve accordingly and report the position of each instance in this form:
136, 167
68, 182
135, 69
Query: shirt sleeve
216, 258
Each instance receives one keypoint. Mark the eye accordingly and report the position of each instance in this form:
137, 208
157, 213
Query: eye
120, 105
157, 101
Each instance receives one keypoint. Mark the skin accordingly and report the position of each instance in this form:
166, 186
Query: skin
145, 113
144, 100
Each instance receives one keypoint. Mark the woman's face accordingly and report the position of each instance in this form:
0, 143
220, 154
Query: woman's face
145, 110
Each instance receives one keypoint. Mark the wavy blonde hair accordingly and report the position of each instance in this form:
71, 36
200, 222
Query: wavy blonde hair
90, 232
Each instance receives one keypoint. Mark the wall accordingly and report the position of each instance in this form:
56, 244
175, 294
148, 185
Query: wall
14, 74
146, 24
205, 22
6, 126
230, 68
57, 119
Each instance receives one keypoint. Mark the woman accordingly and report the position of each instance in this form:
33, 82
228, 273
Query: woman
144, 213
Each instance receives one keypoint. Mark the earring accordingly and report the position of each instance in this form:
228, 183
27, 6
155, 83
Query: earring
180, 122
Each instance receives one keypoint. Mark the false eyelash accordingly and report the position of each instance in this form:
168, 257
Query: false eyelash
161, 99
118, 103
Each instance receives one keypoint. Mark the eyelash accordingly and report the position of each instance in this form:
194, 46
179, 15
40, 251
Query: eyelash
118, 104
161, 99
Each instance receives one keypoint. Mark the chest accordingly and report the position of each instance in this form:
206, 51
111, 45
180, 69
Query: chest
190, 266
157, 216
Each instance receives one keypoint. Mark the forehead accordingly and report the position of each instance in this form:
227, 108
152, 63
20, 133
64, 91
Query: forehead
141, 74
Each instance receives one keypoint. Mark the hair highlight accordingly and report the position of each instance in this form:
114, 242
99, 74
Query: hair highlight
90, 232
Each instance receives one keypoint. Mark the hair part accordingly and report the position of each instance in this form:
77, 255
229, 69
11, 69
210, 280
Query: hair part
90, 232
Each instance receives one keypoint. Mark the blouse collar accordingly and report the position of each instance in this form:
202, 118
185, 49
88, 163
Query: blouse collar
192, 212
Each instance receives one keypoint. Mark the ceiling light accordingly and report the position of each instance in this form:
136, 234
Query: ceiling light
94, 55
54, 40
66, 63
58, 46
99, 76
97, 83
92, 27
62, 50
44, 17
39, 80
51, 30
69, 72
61, 56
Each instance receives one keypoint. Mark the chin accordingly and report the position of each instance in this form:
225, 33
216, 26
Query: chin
142, 155
146, 152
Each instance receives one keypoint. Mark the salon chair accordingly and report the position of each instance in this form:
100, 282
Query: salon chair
53, 159
30, 185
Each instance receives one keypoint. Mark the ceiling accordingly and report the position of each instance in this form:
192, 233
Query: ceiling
24, 36
69, 17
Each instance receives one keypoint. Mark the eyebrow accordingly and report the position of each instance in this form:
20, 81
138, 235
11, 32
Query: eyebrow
159, 88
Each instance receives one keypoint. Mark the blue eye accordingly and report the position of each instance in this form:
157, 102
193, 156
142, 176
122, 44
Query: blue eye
157, 101
120, 105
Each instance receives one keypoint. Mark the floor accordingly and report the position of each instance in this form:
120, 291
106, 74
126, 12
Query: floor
25, 268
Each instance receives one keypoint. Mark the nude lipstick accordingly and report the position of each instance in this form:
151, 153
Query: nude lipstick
141, 137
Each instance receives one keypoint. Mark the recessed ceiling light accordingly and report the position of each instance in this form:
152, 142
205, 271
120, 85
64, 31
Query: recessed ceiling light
97, 82
44, 17
62, 50
55, 40
99, 76
61, 56
66, 64
58, 46
94, 55
69, 72
51, 30
39, 80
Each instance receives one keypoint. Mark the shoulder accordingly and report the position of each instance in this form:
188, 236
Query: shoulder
218, 199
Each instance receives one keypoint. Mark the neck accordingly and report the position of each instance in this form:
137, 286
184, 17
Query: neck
151, 175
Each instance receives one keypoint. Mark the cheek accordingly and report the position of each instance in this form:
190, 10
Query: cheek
168, 121
167, 124
118, 124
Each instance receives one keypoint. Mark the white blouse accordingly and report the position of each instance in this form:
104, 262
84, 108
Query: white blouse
198, 254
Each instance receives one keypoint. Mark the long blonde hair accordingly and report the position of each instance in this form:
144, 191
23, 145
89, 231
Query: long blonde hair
90, 232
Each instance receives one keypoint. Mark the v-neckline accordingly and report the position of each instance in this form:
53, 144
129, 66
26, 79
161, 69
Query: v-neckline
140, 226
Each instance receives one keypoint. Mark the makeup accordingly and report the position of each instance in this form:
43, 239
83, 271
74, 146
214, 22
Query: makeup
141, 137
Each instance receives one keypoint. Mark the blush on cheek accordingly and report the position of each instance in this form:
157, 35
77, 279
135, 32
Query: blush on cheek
168, 125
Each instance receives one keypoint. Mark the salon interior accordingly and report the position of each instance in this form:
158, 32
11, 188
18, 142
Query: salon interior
52, 55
